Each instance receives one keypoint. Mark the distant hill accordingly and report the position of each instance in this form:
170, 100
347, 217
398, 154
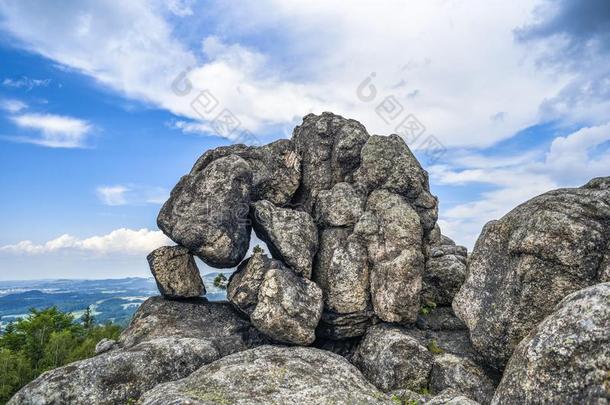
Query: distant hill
111, 300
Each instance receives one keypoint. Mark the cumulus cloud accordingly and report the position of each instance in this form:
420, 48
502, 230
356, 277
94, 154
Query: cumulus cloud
120, 241
573, 36
317, 64
569, 161
131, 195
56, 131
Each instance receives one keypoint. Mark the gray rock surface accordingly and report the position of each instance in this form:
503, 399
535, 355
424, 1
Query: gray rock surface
271, 375
119, 376
289, 307
391, 359
207, 212
175, 272
445, 272
566, 358
439, 318
344, 326
341, 269
245, 282
197, 318
463, 375
291, 235
276, 168
395, 251
526, 262
105, 345
166, 340
388, 164
342, 205
329, 146
451, 397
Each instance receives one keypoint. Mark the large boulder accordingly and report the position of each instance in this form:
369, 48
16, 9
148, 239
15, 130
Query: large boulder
289, 307
525, 263
566, 358
445, 272
167, 340
175, 272
276, 168
463, 375
282, 305
291, 235
271, 375
207, 211
119, 376
329, 146
396, 254
195, 318
391, 359
245, 282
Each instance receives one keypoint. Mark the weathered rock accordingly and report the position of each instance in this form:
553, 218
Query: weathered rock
451, 397
291, 236
566, 358
388, 164
198, 318
175, 272
525, 263
341, 270
207, 212
392, 359
105, 345
245, 282
439, 318
445, 272
339, 206
119, 376
289, 307
406, 396
463, 375
344, 326
329, 146
276, 168
395, 252
271, 375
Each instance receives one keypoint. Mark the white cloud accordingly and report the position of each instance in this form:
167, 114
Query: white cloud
569, 161
112, 195
120, 241
422, 52
56, 131
131, 194
12, 106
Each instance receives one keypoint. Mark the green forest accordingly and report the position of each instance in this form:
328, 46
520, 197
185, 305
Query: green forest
46, 339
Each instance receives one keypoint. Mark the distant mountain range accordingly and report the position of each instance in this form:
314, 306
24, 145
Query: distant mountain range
112, 300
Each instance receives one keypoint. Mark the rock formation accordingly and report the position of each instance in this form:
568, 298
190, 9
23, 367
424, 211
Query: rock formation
395, 311
525, 263
566, 358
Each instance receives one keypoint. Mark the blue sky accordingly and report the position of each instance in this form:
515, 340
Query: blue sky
95, 128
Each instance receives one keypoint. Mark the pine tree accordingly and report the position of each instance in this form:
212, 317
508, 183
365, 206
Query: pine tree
87, 319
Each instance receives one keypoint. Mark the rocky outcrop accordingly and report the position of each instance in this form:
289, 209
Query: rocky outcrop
167, 340
526, 262
175, 272
280, 304
566, 358
276, 168
445, 272
462, 375
291, 236
289, 307
271, 375
207, 211
392, 359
